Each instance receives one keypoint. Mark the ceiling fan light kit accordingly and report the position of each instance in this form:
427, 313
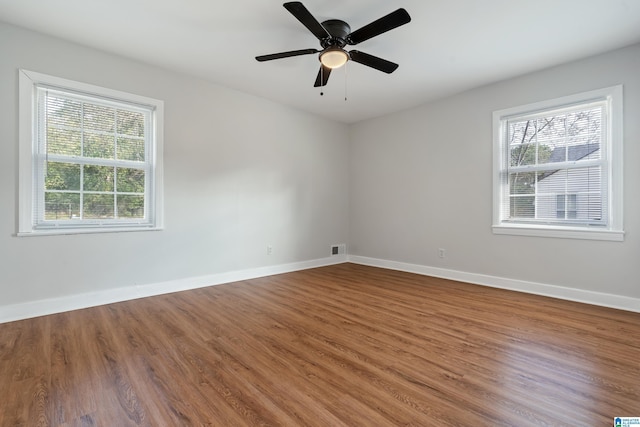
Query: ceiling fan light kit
334, 35
334, 57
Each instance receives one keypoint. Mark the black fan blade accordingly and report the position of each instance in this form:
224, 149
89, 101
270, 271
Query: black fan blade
373, 61
382, 25
291, 53
323, 76
301, 13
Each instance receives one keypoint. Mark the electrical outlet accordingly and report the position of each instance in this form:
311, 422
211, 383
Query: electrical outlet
269, 250
442, 253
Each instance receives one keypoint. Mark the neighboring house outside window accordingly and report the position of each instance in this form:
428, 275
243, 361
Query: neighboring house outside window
558, 167
90, 158
578, 191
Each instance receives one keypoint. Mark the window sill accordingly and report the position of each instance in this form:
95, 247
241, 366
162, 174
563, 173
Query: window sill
558, 232
62, 231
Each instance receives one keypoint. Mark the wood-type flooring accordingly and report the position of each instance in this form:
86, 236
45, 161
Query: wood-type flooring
344, 345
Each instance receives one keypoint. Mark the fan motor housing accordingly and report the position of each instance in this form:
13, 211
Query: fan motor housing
339, 31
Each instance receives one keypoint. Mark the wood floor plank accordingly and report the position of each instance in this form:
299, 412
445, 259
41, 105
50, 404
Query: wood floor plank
344, 345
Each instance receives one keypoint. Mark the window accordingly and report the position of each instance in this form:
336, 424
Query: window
90, 158
558, 167
566, 206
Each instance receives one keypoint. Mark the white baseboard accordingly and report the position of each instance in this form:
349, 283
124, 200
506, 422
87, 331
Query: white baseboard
10, 313
560, 292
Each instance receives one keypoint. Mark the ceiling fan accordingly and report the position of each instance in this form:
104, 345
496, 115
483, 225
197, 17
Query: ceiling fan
334, 35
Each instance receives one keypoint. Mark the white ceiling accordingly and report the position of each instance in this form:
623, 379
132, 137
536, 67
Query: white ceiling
450, 45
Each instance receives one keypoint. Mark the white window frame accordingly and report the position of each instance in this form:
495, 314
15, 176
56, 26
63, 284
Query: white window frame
31, 182
612, 167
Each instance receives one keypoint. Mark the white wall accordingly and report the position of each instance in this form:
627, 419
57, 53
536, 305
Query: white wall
422, 180
240, 173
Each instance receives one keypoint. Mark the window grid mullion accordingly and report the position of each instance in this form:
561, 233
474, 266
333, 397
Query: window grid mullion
115, 192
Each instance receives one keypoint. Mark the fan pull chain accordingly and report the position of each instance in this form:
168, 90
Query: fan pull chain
321, 80
345, 81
